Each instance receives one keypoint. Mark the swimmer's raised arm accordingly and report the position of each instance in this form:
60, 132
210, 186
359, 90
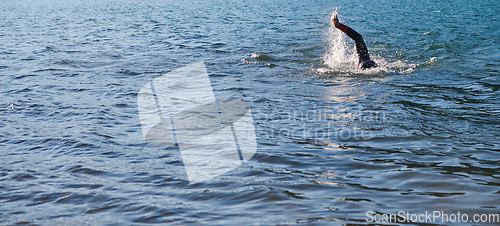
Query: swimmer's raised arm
364, 57
335, 20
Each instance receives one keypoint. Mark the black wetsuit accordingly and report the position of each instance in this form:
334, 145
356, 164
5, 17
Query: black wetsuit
364, 57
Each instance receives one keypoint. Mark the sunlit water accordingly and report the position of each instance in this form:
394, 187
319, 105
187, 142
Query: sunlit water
419, 133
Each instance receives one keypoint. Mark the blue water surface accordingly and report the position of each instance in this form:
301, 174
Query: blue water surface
418, 134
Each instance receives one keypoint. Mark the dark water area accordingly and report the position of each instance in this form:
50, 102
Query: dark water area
420, 133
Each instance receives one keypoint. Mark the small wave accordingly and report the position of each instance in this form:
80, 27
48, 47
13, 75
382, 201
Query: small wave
248, 61
67, 62
23, 177
46, 49
261, 59
128, 72
24, 76
50, 69
82, 170
430, 62
261, 56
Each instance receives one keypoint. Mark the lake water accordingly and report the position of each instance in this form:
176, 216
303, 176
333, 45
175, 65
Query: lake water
419, 133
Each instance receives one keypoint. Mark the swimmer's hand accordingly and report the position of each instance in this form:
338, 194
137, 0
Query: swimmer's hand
335, 20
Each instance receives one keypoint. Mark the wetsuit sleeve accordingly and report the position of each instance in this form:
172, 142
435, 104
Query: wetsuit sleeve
358, 39
350, 32
342, 27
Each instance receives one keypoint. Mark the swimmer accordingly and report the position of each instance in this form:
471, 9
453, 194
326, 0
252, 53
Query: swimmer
364, 59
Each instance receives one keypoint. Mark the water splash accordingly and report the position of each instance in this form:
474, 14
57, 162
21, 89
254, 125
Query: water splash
341, 57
